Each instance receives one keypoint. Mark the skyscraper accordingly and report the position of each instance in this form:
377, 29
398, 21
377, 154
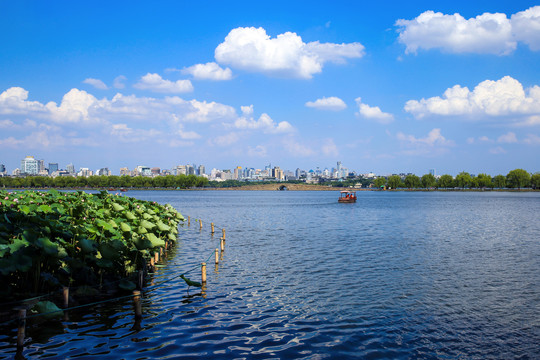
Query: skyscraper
29, 166
70, 169
53, 167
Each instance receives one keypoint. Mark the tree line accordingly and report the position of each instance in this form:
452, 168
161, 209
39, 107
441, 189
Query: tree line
516, 179
113, 181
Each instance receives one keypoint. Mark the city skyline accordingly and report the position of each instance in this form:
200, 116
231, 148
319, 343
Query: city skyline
400, 89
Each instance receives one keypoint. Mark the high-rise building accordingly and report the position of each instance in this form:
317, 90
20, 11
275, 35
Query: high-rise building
125, 171
237, 173
103, 172
53, 167
202, 170
2, 169
155, 171
432, 172
70, 169
180, 170
143, 171
29, 166
190, 170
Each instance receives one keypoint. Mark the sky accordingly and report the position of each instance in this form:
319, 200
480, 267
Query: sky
383, 87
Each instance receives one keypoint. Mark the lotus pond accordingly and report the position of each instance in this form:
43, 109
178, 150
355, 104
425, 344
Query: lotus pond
53, 239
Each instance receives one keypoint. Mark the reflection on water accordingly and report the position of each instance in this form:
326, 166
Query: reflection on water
396, 275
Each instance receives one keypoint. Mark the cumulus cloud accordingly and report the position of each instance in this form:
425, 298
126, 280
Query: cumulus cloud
286, 55
208, 71
373, 113
119, 82
489, 33
497, 150
225, 140
98, 84
75, 107
15, 101
327, 103
526, 27
503, 97
155, 83
265, 122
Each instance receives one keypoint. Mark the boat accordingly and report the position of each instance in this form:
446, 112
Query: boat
347, 196
123, 190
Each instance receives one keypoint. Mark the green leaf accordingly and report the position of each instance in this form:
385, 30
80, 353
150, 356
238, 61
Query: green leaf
48, 309
126, 285
125, 227
45, 208
117, 207
154, 240
147, 225
87, 245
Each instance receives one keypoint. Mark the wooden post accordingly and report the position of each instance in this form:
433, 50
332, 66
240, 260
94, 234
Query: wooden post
203, 273
222, 243
200, 222
212, 225
137, 304
21, 328
223, 231
217, 256
141, 279
160, 252
156, 257
152, 264
188, 220
65, 293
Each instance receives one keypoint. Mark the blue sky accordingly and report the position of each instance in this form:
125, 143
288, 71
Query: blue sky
388, 88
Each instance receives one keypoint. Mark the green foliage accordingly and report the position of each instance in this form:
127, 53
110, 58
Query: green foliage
483, 181
445, 181
518, 178
463, 179
50, 239
535, 181
379, 182
499, 181
412, 181
428, 181
394, 182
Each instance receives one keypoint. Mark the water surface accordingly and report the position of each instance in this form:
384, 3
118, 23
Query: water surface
396, 275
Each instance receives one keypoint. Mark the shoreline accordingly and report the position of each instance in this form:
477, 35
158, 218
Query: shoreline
273, 188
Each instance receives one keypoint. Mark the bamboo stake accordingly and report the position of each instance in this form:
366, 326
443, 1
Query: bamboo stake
200, 222
223, 231
137, 304
141, 279
212, 225
188, 220
217, 256
21, 328
65, 293
203, 273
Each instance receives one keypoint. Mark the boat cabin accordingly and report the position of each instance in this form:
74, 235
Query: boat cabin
347, 196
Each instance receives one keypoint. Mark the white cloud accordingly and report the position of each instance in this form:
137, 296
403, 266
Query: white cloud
6, 124
98, 84
119, 82
373, 113
15, 101
507, 138
433, 138
489, 33
526, 27
532, 139
327, 103
497, 150
75, 107
286, 55
329, 148
208, 71
225, 140
257, 151
503, 97
155, 83
265, 122
297, 149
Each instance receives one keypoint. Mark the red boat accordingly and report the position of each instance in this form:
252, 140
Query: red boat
347, 196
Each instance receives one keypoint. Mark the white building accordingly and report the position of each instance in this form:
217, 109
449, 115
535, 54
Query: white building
29, 166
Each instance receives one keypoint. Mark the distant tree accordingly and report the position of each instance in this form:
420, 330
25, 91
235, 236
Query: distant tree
412, 181
535, 181
463, 179
394, 181
379, 182
518, 178
445, 181
428, 181
483, 180
499, 181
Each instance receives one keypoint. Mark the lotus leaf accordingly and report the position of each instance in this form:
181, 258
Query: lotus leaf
125, 227
171, 237
147, 225
45, 208
48, 246
141, 230
86, 290
162, 227
130, 215
88, 245
147, 216
47, 309
126, 285
154, 240
142, 243
117, 207
113, 223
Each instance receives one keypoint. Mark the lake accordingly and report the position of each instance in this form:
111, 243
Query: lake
397, 275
